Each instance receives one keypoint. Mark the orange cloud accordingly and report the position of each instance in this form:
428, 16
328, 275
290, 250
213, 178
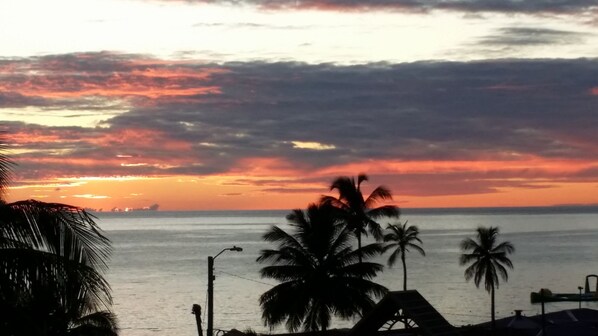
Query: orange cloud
404, 167
111, 86
65, 78
266, 167
24, 138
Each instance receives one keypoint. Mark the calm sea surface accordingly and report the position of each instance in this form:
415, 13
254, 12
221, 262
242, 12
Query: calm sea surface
159, 266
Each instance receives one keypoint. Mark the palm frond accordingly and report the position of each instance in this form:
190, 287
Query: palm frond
374, 228
102, 323
6, 165
367, 251
401, 237
416, 247
278, 235
469, 244
310, 261
63, 229
335, 202
488, 258
466, 258
502, 271
503, 259
284, 273
392, 259
361, 177
52, 257
383, 211
504, 247
379, 194
363, 270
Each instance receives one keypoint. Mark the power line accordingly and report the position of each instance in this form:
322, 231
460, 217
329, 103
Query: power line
456, 314
248, 279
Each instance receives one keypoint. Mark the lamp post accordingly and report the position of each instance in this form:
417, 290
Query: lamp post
580, 288
211, 277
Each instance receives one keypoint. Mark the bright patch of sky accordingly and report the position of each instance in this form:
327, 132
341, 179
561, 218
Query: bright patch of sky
311, 145
59, 117
236, 33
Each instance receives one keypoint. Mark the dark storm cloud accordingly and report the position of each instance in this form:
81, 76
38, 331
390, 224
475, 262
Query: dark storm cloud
308, 117
413, 111
12, 99
507, 6
533, 36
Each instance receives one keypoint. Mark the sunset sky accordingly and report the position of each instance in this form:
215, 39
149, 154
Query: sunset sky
260, 104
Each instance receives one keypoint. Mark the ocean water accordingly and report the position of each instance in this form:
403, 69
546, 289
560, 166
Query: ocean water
158, 269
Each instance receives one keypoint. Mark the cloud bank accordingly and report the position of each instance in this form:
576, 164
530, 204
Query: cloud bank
519, 120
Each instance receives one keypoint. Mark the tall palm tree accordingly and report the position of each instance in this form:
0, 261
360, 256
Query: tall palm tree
360, 213
488, 259
318, 271
52, 257
401, 238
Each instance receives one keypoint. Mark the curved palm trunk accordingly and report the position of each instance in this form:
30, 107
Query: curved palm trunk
359, 246
404, 271
492, 309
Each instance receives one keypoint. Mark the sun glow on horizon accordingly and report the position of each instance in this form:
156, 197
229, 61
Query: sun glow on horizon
267, 189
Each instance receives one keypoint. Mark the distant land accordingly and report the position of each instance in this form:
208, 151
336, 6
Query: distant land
557, 209
153, 207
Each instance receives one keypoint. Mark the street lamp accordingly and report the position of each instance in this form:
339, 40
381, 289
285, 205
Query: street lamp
211, 278
580, 288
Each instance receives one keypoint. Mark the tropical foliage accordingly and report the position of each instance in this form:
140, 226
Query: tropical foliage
359, 213
318, 271
52, 257
487, 259
401, 238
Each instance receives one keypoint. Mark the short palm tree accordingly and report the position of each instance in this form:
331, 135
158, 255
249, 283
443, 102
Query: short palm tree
51, 261
318, 271
400, 239
360, 213
487, 259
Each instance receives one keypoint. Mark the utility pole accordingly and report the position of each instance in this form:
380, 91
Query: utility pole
211, 278
210, 331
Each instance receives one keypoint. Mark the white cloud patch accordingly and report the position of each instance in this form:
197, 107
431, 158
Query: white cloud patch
311, 145
91, 196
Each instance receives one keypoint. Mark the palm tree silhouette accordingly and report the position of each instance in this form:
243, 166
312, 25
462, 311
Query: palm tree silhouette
359, 213
52, 257
488, 259
318, 271
401, 238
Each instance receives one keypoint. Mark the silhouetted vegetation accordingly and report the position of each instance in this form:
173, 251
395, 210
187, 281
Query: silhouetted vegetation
52, 257
488, 259
400, 239
360, 213
320, 273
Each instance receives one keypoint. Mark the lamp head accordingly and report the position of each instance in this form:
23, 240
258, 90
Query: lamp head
236, 249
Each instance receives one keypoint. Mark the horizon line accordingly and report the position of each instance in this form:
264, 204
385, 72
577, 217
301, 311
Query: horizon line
545, 208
